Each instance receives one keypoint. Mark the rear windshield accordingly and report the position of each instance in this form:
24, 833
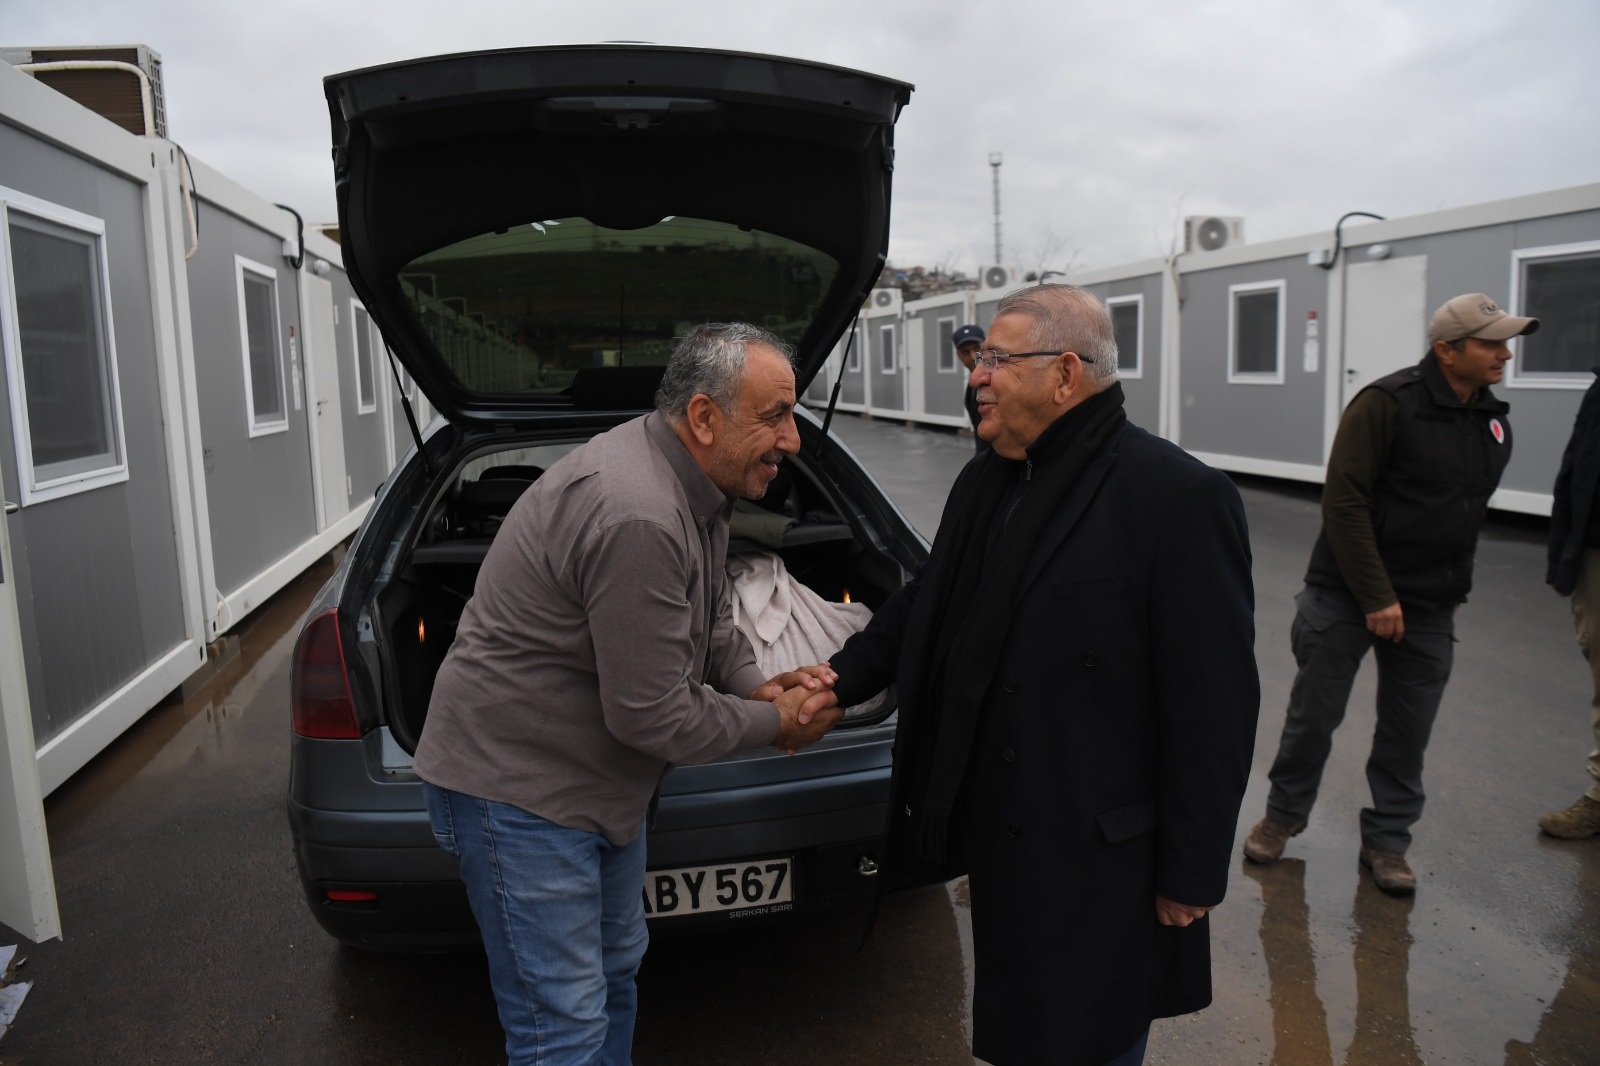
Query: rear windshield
521, 310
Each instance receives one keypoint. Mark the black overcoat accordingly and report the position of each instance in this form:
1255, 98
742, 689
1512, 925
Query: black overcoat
1574, 494
1116, 742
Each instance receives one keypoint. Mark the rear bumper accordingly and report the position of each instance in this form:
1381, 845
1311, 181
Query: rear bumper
829, 824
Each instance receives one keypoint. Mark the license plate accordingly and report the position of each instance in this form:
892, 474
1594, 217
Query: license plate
745, 889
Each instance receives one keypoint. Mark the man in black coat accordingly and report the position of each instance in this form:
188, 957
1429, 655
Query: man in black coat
1078, 698
1574, 571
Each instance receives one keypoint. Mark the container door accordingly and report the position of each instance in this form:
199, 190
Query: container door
1386, 320
327, 415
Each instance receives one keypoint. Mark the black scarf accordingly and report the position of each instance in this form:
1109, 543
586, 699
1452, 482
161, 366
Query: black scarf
985, 554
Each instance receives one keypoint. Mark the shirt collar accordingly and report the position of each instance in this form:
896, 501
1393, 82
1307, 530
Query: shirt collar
705, 499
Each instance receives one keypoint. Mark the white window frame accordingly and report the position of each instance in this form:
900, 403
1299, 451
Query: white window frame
853, 341
32, 488
1516, 378
374, 342
887, 349
1255, 377
947, 351
1137, 300
260, 428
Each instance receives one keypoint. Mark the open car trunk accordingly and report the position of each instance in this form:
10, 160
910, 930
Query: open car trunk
821, 539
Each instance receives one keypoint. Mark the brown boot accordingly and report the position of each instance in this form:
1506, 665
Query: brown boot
1264, 846
1580, 820
1389, 871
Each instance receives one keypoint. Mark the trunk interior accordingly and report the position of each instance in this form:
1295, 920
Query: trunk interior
803, 520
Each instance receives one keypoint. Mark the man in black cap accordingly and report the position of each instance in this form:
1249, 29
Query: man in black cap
968, 339
1416, 457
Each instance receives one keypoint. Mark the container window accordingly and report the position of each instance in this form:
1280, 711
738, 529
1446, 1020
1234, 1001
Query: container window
886, 349
59, 351
1561, 288
947, 348
261, 346
1127, 319
1255, 334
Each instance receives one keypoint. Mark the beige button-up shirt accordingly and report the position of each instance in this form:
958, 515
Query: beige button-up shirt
599, 642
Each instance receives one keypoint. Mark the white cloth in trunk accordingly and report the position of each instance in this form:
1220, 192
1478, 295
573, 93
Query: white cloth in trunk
788, 624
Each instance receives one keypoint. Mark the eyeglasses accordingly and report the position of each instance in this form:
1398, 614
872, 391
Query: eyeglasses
991, 358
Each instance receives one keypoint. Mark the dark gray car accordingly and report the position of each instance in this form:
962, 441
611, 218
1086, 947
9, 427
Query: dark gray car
531, 229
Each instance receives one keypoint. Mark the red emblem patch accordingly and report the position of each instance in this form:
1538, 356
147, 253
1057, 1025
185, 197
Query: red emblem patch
1498, 430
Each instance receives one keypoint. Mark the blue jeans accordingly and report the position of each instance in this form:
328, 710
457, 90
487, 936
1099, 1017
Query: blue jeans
562, 916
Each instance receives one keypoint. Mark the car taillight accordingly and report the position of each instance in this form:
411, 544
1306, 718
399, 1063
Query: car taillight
320, 704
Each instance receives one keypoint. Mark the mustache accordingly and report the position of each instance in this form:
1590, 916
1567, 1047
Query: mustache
772, 457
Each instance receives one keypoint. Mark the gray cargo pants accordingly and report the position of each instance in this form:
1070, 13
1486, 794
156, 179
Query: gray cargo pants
1330, 637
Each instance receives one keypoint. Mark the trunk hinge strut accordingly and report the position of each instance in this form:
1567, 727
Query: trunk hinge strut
405, 403
838, 383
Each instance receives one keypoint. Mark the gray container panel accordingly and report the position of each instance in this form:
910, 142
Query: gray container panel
1480, 260
1543, 417
984, 309
943, 391
364, 447
1274, 422
98, 581
258, 488
854, 388
888, 389
1142, 394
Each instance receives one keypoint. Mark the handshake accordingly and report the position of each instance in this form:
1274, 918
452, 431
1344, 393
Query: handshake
806, 702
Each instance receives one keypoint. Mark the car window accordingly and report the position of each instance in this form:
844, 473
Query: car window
521, 310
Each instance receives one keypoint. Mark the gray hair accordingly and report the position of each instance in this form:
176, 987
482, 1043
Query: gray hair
710, 359
1069, 319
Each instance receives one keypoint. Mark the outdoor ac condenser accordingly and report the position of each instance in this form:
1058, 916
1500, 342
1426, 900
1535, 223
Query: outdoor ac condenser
1211, 233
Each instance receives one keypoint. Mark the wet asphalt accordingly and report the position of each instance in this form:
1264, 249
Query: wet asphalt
187, 939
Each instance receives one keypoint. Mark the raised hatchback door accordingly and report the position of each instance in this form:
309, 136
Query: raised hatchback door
531, 228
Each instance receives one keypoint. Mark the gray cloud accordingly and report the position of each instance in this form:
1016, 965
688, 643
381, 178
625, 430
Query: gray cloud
1114, 119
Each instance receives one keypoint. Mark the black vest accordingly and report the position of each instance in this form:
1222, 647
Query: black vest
1430, 500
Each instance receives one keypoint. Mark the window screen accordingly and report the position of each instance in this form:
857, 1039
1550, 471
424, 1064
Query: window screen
947, 348
258, 297
67, 379
1255, 332
1125, 321
1564, 295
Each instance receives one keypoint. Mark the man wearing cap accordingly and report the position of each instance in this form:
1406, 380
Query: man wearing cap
968, 339
1415, 459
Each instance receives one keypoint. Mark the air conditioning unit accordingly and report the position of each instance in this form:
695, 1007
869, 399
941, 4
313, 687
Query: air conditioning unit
884, 302
1211, 233
997, 279
118, 82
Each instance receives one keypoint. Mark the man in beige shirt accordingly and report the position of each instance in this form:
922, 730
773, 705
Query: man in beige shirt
597, 650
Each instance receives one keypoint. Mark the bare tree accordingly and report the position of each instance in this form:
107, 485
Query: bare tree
1053, 254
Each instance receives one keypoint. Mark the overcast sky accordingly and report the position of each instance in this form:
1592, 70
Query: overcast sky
1114, 118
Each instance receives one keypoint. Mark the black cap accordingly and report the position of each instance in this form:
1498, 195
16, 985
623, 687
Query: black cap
965, 334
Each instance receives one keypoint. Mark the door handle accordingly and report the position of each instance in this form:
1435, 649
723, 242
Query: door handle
12, 508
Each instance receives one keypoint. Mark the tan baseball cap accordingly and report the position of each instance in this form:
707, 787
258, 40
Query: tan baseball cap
1475, 315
